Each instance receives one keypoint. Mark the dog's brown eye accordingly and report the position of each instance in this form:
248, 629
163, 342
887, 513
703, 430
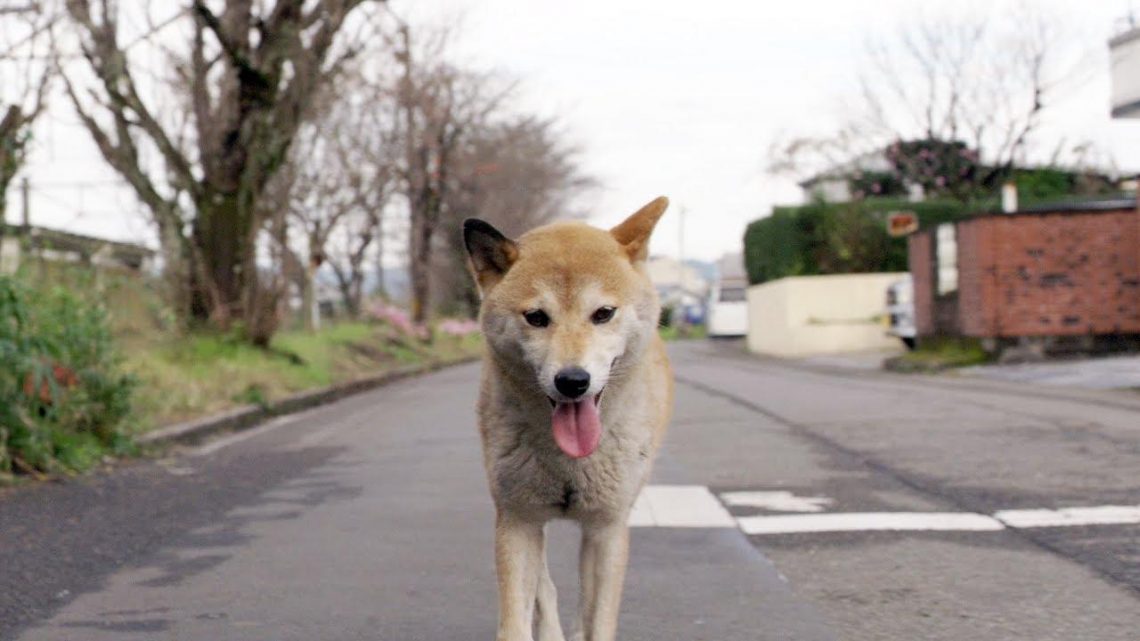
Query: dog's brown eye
536, 318
603, 315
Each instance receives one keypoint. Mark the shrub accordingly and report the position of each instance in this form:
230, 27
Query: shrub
458, 327
398, 319
64, 401
836, 238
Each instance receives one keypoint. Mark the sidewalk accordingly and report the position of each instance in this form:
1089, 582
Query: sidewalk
1114, 372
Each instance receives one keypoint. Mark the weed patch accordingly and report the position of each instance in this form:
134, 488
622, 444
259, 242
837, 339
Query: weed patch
64, 398
934, 355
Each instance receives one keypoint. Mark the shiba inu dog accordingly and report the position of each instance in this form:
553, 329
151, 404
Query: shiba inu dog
575, 396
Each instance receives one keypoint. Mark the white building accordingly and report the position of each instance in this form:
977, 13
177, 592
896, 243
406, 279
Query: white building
677, 284
1125, 55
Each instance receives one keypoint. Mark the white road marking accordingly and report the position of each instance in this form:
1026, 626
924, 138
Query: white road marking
641, 515
777, 501
1071, 516
867, 521
679, 506
695, 506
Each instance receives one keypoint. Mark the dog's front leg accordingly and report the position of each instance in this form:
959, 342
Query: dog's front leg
518, 557
605, 552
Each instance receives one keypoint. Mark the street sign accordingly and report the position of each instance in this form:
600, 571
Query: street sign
902, 223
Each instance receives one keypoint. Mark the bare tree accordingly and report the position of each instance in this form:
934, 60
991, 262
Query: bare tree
24, 81
517, 174
338, 183
441, 105
981, 82
249, 71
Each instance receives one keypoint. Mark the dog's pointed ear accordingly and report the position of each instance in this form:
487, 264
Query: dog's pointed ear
633, 233
491, 253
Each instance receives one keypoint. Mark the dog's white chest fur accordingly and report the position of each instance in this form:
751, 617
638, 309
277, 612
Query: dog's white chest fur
530, 474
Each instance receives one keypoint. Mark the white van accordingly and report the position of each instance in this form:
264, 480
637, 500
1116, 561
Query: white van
728, 309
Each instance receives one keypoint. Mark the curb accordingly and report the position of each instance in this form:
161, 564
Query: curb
246, 416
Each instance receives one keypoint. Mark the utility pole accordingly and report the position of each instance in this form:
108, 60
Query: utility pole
681, 264
25, 206
415, 181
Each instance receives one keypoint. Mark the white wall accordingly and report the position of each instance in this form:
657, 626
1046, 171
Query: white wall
807, 315
1125, 54
9, 254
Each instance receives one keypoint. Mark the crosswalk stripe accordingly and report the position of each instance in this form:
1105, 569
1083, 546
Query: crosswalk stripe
679, 506
1071, 516
695, 506
867, 521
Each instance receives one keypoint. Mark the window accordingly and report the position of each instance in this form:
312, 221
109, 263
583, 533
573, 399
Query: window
732, 295
946, 258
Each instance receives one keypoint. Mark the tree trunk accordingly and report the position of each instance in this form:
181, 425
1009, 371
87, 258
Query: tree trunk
310, 307
221, 232
420, 266
175, 270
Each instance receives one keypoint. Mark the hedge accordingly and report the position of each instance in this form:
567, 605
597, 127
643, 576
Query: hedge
836, 238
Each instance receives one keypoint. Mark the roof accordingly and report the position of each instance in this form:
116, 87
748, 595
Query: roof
42, 239
1071, 207
869, 161
65, 240
1066, 207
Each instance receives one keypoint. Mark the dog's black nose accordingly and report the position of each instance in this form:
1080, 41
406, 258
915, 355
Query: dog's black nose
572, 381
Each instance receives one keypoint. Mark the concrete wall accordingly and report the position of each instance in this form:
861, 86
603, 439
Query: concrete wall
807, 315
9, 254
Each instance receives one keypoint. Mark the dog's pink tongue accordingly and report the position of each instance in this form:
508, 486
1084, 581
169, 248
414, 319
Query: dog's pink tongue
577, 427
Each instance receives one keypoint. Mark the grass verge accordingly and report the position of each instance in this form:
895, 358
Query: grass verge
198, 375
936, 355
687, 332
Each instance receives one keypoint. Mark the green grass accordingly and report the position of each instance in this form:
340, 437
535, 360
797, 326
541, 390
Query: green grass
196, 375
943, 353
688, 332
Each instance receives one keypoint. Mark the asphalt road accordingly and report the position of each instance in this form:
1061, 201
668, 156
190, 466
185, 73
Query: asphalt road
369, 519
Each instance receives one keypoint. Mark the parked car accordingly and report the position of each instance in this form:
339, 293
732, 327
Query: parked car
900, 311
728, 309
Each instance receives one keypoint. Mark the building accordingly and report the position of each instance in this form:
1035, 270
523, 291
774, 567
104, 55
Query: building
1124, 50
872, 175
1057, 276
680, 285
834, 185
18, 244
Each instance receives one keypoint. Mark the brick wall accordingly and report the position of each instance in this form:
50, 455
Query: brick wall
1054, 274
920, 261
978, 304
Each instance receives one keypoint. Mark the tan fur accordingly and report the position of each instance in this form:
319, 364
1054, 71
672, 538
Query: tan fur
568, 270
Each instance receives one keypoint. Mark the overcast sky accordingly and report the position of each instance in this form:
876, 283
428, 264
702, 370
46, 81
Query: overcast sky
674, 98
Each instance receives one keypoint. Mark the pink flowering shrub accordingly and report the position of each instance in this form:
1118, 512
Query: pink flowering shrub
458, 327
398, 318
